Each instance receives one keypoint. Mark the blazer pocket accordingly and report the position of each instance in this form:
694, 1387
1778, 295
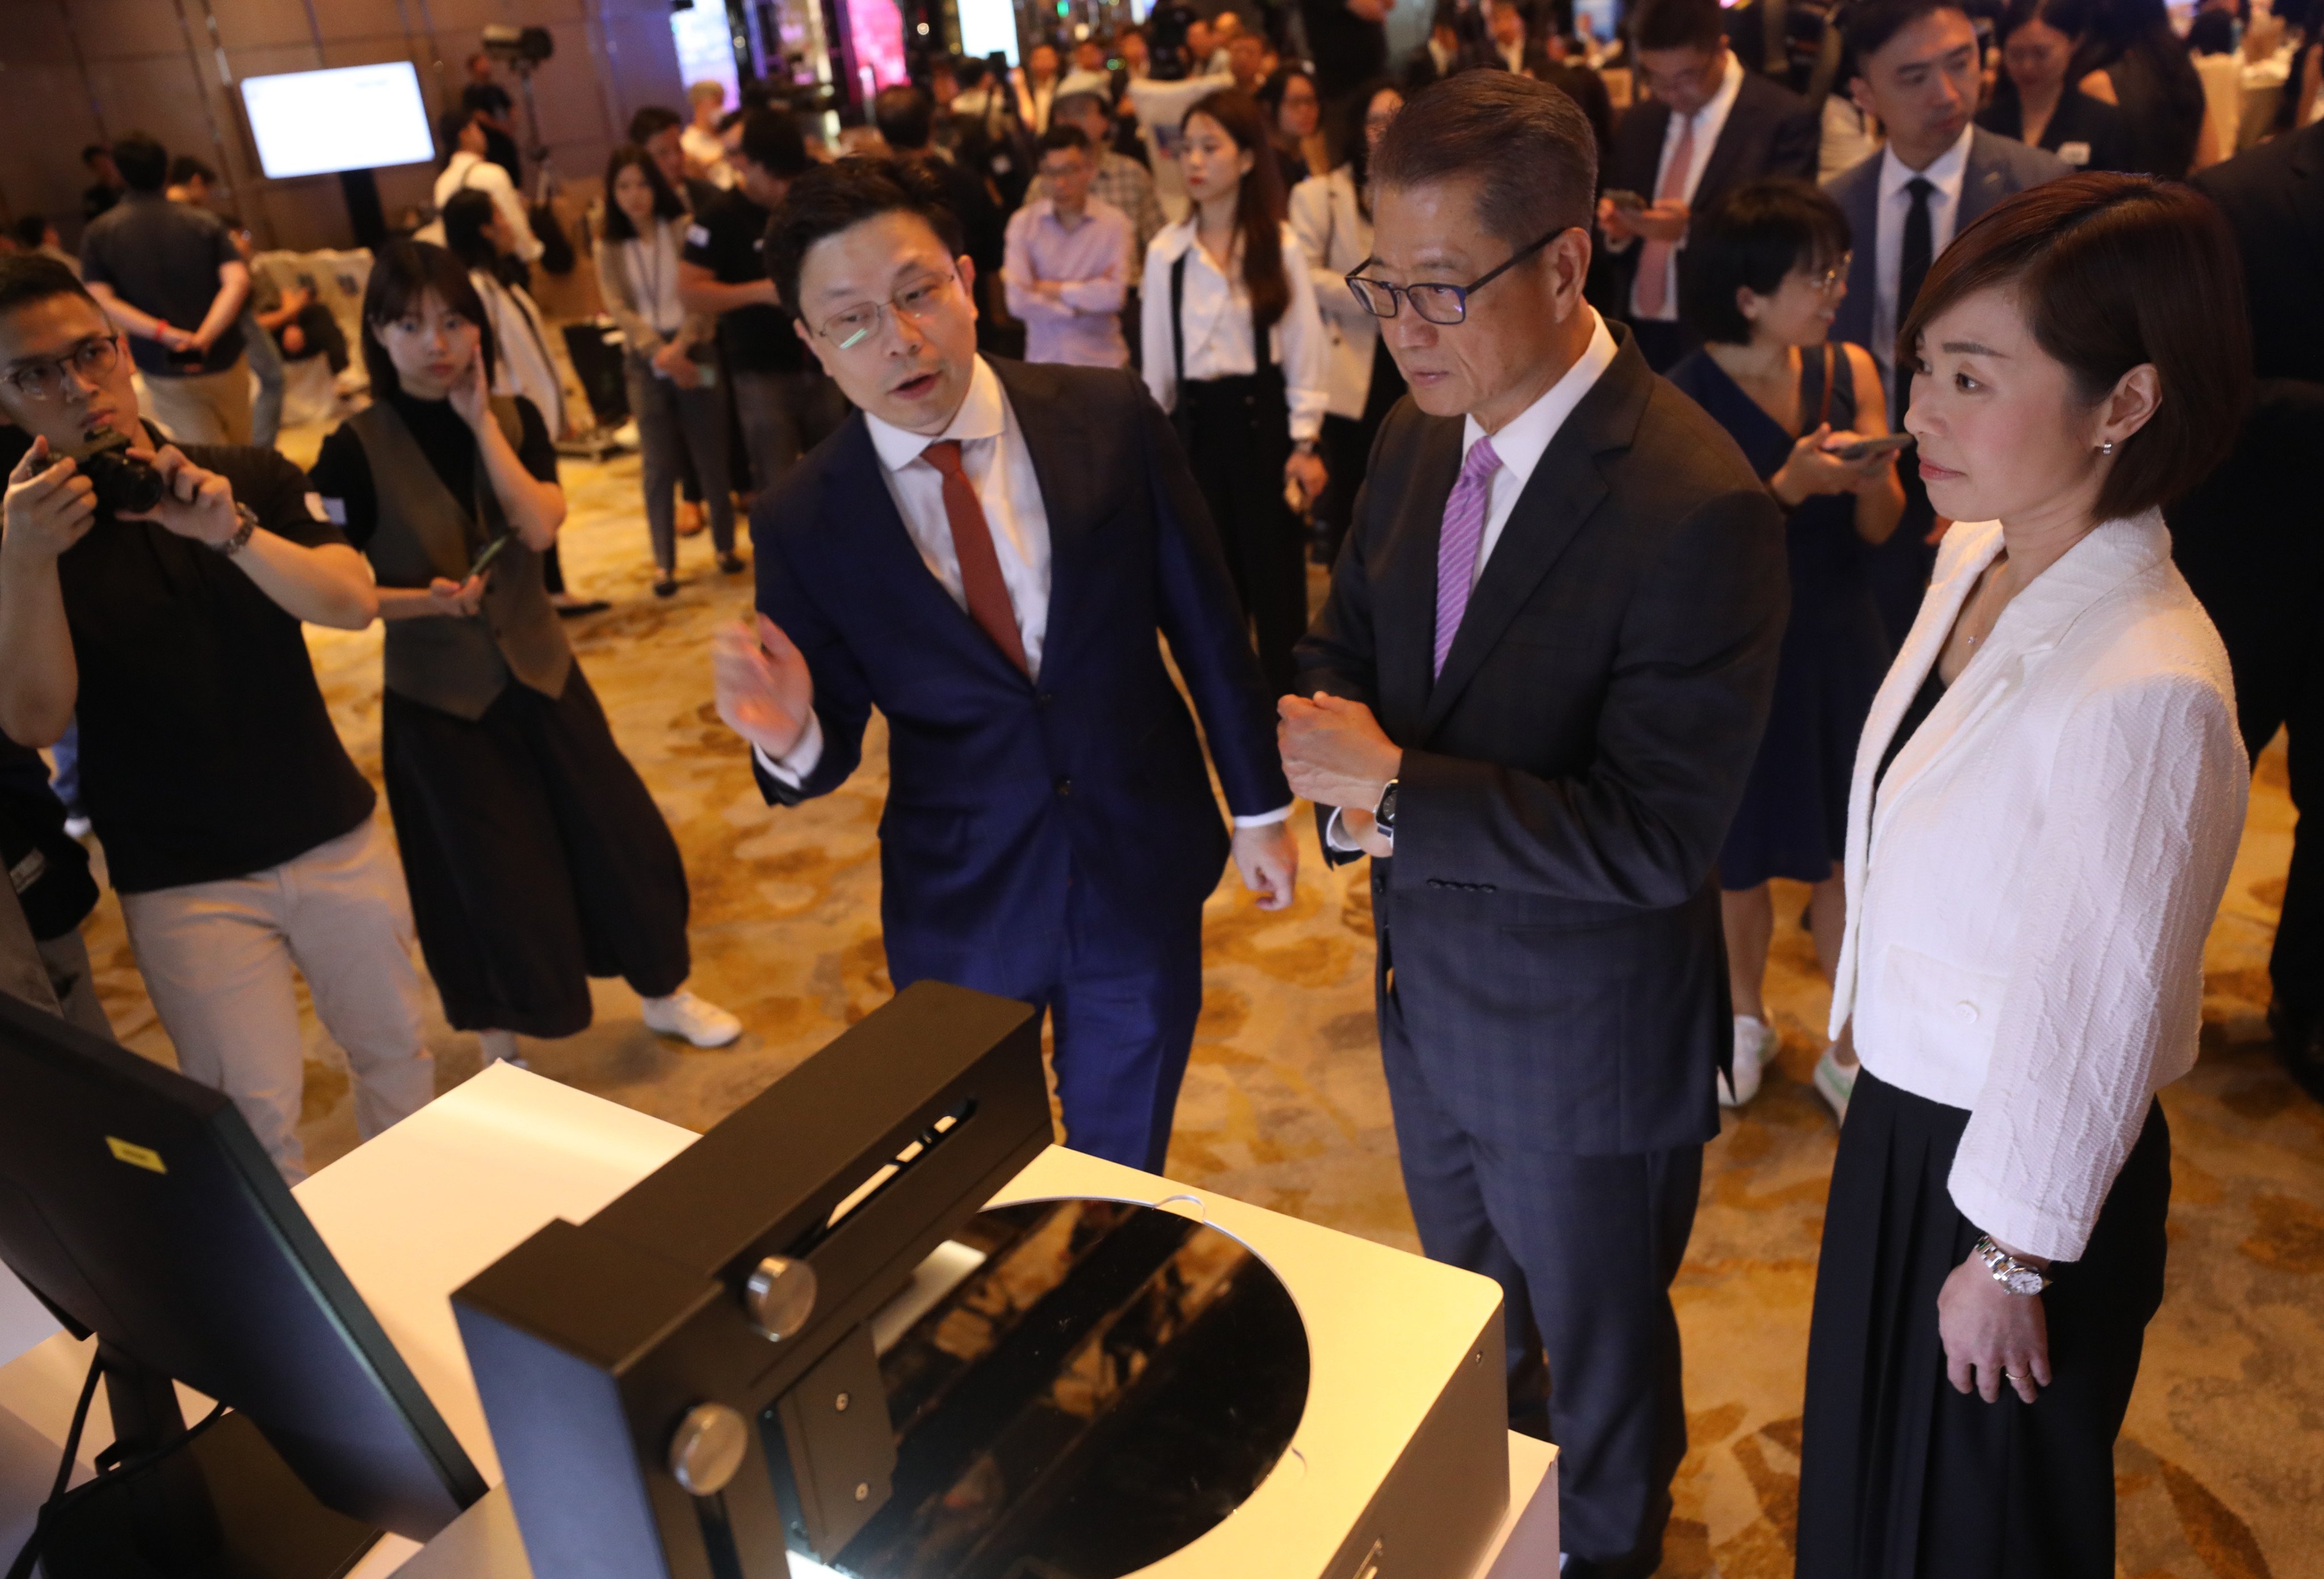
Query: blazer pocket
1952, 1009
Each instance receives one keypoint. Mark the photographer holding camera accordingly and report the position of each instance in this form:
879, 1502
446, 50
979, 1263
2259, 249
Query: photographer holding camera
159, 593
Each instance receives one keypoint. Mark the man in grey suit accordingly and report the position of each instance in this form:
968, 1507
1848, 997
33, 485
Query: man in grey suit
1537, 687
1917, 71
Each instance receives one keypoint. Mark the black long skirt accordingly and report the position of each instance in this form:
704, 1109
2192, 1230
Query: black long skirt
1901, 1477
535, 856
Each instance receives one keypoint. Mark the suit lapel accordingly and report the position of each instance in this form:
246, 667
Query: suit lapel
1728, 149
1561, 493
1985, 183
1404, 581
1054, 438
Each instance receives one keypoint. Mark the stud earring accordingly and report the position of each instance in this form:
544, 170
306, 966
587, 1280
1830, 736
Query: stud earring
2106, 448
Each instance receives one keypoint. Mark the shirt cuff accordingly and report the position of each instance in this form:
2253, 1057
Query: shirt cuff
1337, 837
792, 768
1282, 813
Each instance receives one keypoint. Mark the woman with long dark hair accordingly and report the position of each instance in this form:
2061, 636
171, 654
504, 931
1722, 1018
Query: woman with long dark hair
1332, 215
535, 856
1234, 351
2131, 58
670, 359
1295, 121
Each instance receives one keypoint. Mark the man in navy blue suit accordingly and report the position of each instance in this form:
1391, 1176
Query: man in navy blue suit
985, 552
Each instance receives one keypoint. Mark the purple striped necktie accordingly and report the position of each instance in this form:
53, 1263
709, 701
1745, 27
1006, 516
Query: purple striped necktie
1456, 548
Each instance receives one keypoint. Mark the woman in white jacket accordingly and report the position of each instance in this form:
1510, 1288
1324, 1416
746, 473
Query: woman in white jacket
2046, 804
1332, 215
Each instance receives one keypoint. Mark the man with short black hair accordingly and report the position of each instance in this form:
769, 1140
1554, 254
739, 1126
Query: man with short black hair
1710, 127
1069, 261
989, 553
237, 832
1119, 179
660, 132
785, 405
169, 275
1539, 686
1917, 71
105, 190
190, 181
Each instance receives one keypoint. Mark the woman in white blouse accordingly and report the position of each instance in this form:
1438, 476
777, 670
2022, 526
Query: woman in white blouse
674, 394
2046, 804
1229, 280
1332, 215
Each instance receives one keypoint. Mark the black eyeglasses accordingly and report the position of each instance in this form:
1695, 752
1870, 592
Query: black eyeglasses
1435, 302
42, 378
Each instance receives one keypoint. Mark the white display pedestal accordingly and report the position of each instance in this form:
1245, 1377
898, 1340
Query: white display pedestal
416, 1212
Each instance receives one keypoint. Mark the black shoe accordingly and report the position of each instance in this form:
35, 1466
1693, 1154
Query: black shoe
731, 564
2300, 1044
575, 608
665, 587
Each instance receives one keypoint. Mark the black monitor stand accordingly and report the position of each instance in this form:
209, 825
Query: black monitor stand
361, 190
222, 1505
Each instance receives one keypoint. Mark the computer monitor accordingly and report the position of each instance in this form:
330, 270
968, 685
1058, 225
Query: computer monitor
346, 118
138, 1206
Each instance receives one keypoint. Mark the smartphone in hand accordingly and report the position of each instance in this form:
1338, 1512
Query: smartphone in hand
1628, 201
1865, 449
487, 553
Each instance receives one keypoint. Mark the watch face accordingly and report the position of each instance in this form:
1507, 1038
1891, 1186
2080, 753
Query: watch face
2025, 1282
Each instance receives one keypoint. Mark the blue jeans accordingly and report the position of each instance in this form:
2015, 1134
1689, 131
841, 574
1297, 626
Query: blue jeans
266, 362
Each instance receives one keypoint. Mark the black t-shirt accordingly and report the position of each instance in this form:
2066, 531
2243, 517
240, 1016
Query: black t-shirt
205, 750
729, 238
342, 475
488, 98
48, 869
163, 258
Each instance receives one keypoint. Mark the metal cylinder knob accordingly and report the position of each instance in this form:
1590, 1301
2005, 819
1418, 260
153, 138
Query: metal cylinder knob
781, 1297
707, 1449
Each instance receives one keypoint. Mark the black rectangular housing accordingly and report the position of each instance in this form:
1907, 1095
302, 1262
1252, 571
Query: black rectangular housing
592, 1343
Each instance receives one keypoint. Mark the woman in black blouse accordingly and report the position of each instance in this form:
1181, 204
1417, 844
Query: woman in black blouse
536, 857
2036, 102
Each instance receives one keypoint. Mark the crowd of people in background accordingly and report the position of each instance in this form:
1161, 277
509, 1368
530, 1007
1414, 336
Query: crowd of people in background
1627, 387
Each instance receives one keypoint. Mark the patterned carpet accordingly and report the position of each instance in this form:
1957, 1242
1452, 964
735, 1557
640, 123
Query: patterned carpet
2221, 1470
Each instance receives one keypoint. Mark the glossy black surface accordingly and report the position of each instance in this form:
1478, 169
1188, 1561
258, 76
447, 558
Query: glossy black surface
1111, 1384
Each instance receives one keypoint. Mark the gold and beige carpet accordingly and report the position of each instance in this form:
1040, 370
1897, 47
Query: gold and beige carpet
2220, 1471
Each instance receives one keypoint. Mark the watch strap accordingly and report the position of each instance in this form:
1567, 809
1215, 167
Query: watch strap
249, 518
2018, 1277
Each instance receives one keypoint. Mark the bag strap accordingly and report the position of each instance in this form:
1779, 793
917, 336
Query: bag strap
1823, 411
1177, 324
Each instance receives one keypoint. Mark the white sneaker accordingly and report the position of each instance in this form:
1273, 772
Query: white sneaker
77, 828
1834, 1084
698, 1019
1755, 1044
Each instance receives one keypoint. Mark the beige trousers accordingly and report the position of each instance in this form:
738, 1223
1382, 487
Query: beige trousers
218, 958
208, 408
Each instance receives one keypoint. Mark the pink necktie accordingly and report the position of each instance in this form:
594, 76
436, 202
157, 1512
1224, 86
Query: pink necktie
1653, 257
1456, 548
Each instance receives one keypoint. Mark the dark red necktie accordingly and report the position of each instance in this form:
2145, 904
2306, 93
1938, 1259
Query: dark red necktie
980, 565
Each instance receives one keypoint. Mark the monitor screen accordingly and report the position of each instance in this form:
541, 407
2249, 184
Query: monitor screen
353, 118
987, 26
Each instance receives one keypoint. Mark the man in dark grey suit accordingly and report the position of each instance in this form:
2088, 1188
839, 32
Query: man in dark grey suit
1537, 688
1917, 71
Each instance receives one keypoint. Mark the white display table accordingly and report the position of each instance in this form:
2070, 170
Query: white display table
416, 1212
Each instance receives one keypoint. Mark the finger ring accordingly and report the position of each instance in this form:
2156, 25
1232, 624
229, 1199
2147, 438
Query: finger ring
2013, 1375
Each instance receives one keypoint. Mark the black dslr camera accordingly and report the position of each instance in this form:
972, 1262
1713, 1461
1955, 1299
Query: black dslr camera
124, 484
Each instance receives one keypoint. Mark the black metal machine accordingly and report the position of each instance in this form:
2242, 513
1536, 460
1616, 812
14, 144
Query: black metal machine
687, 1383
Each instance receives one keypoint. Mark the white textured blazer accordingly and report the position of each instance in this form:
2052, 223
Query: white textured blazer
2029, 896
1337, 237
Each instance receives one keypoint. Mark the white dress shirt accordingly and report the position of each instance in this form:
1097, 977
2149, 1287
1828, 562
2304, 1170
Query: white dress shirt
652, 264
1217, 327
1946, 173
998, 465
1520, 443
1709, 122
522, 363
2030, 890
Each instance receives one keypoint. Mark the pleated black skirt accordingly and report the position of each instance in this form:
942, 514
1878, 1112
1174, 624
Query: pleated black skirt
1901, 1477
535, 856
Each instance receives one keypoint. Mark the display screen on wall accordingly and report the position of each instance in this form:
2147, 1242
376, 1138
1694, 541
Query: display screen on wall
876, 30
986, 25
353, 118
706, 50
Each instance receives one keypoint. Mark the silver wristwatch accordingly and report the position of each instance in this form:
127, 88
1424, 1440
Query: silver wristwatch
249, 520
2013, 1274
